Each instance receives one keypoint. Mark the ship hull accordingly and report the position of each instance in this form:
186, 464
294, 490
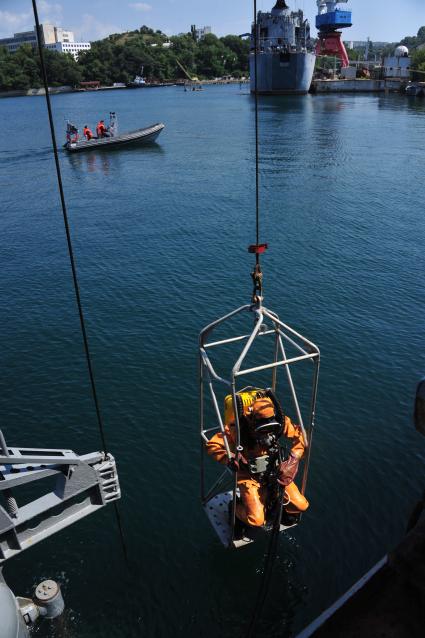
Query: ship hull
282, 73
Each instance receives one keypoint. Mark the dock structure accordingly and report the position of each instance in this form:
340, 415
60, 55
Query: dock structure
389, 600
358, 85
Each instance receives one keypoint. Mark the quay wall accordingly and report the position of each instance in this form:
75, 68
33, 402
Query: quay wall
33, 92
357, 86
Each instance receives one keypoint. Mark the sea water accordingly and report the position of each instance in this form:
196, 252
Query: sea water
160, 236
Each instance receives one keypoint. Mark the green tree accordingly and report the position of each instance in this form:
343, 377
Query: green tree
421, 35
418, 60
240, 48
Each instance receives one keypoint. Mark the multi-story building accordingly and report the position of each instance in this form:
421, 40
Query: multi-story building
361, 44
52, 37
13, 44
69, 47
199, 32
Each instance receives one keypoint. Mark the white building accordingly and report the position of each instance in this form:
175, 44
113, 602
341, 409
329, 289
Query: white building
61, 35
52, 37
199, 32
165, 45
398, 65
69, 47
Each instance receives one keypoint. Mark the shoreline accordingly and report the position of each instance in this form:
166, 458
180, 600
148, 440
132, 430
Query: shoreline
69, 89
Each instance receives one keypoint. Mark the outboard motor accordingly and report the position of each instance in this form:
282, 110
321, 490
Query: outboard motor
113, 124
71, 133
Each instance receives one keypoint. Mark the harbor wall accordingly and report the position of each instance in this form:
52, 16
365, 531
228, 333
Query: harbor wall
357, 86
69, 89
33, 92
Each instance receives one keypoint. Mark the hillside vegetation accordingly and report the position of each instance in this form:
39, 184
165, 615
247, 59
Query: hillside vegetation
120, 57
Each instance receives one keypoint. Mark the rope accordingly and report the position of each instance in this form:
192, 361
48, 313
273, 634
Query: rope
73, 265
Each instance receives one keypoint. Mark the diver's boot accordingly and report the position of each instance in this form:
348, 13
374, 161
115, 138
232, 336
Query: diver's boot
296, 503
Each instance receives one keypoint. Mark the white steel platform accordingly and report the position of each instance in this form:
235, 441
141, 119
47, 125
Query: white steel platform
217, 510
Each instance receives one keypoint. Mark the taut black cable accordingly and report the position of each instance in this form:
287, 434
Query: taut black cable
257, 248
257, 169
72, 260
268, 568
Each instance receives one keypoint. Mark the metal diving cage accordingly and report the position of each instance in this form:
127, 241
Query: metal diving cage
287, 349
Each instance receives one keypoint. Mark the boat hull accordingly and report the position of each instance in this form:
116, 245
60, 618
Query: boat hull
281, 73
141, 136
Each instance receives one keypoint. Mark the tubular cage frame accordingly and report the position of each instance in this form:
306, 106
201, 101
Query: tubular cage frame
208, 379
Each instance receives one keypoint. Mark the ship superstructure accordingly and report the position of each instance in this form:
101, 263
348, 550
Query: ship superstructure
285, 57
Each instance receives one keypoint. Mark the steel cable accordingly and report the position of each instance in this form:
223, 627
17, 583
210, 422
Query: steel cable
257, 167
268, 567
73, 265
274, 538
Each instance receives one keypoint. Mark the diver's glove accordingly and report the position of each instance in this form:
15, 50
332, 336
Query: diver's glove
288, 470
237, 462
233, 464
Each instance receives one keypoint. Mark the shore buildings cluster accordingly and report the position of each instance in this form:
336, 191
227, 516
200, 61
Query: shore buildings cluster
289, 60
52, 37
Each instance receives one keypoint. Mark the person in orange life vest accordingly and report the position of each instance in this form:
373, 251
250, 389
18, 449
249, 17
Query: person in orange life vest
87, 133
251, 509
101, 129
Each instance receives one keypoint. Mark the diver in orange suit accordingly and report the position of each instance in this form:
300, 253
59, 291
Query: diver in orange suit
251, 508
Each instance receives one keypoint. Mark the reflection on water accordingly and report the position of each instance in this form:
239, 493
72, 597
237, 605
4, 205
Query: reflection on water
101, 160
92, 161
394, 102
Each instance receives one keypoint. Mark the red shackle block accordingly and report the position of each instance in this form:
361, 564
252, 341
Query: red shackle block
258, 249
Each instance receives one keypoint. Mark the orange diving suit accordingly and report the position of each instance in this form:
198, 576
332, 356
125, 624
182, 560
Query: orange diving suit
251, 508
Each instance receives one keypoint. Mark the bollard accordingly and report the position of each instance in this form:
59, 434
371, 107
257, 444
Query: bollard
48, 598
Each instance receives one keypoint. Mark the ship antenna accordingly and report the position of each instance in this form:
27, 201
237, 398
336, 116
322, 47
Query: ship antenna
280, 4
73, 265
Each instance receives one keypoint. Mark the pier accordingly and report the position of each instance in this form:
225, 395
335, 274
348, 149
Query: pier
359, 85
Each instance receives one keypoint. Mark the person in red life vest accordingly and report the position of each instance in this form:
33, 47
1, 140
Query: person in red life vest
261, 425
101, 129
87, 133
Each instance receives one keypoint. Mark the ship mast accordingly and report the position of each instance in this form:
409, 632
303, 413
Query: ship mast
280, 4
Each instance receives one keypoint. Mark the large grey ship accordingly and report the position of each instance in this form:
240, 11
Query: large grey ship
285, 57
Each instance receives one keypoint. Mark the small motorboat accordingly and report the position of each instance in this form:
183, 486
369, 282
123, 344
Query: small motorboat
417, 89
140, 136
